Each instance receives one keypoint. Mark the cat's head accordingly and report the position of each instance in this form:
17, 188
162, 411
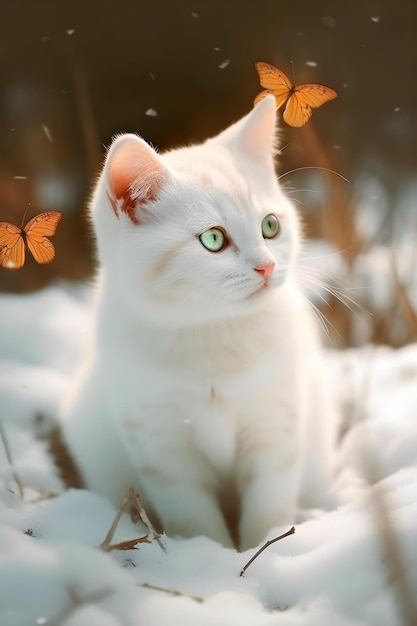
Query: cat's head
199, 233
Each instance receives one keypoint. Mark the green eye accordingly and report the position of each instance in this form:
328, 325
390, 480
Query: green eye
213, 239
270, 226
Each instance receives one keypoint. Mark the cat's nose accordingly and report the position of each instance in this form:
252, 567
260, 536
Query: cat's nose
265, 271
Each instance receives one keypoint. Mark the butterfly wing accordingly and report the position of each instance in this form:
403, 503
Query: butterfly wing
273, 81
298, 111
305, 98
37, 230
44, 224
272, 78
12, 246
315, 95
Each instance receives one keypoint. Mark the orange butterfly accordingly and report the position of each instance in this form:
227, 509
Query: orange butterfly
14, 240
299, 99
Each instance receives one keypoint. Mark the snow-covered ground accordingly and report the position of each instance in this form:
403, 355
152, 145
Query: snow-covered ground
353, 565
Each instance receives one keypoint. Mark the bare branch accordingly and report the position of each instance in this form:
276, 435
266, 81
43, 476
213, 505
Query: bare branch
394, 562
136, 509
265, 546
110, 534
10, 460
127, 544
173, 592
131, 500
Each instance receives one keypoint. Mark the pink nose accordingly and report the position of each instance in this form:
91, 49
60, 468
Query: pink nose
265, 271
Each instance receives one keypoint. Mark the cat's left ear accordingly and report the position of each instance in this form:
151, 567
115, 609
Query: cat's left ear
255, 136
134, 175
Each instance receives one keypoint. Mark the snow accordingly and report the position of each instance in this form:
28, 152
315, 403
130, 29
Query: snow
340, 568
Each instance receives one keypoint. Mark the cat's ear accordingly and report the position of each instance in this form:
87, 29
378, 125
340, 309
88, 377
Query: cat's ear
255, 136
134, 175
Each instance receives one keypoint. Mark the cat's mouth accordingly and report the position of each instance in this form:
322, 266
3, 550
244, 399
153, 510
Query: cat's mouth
260, 290
265, 288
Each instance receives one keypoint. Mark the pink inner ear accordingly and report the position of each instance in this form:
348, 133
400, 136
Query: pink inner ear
135, 176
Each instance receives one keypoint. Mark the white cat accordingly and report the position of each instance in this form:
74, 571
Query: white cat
205, 367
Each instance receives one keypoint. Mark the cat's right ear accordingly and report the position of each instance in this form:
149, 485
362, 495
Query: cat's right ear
257, 138
134, 175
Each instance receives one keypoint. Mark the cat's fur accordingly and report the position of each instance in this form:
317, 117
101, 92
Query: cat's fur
204, 370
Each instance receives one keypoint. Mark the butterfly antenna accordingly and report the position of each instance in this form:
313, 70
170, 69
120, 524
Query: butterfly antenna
24, 215
293, 71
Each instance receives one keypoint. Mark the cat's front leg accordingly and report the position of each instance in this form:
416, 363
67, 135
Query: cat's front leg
96, 440
268, 481
176, 481
187, 509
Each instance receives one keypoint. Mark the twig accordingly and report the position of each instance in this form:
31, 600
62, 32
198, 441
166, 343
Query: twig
127, 544
110, 534
10, 460
403, 296
173, 592
265, 546
397, 573
131, 499
400, 582
136, 509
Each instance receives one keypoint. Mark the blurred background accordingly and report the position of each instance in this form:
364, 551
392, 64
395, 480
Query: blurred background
72, 74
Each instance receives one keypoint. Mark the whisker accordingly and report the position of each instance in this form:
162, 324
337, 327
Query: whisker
322, 319
318, 257
338, 292
314, 167
309, 284
296, 190
243, 337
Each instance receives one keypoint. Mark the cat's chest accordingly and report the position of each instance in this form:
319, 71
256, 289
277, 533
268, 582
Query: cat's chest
216, 367
208, 386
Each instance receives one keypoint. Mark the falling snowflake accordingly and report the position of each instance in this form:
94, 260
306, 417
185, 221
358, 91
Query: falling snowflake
47, 132
70, 31
19, 177
151, 112
329, 20
376, 19
312, 63
224, 64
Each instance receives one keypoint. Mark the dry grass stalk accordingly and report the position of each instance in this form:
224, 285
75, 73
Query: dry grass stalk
266, 545
131, 500
173, 592
397, 572
403, 297
10, 460
138, 512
